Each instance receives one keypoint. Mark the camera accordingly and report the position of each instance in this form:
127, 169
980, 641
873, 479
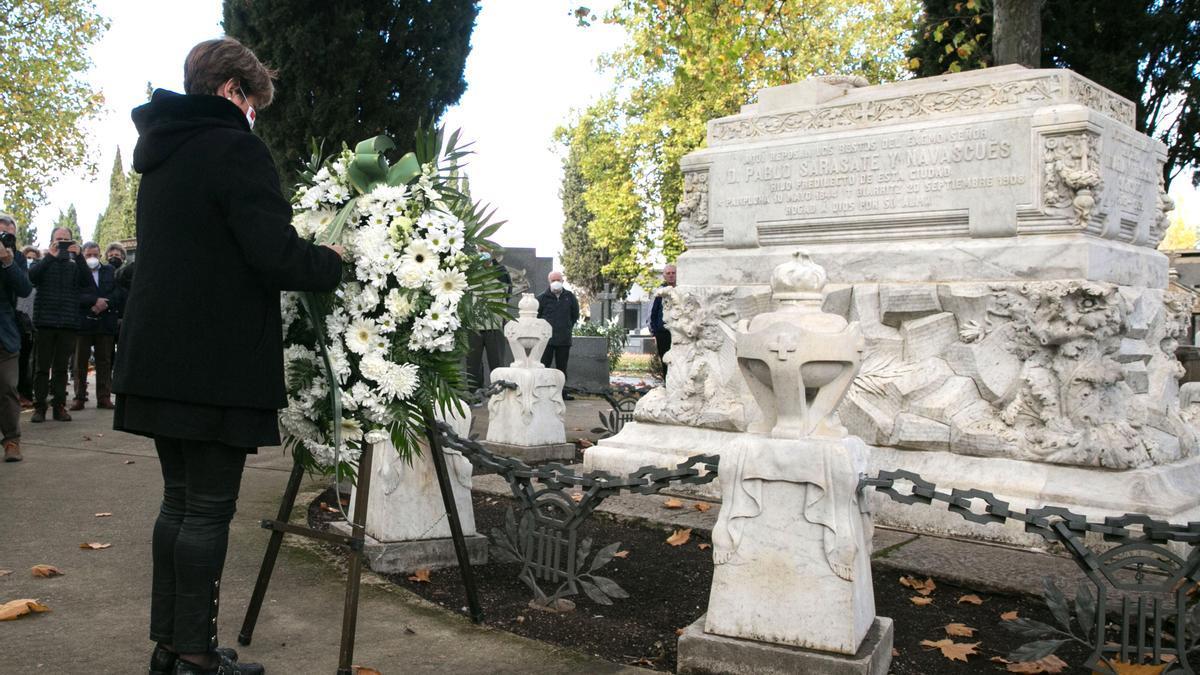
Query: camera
9, 240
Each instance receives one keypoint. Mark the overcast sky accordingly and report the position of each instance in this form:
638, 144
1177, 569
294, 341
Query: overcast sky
529, 66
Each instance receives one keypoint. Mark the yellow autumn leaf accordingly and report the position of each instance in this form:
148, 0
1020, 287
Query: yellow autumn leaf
680, 537
959, 630
1050, 664
15, 609
45, 571
672, 504
970, 599
920, 601
420, 576
955, 651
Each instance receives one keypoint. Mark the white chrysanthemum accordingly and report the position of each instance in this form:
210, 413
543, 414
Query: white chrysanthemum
374, 368
351, 429
401, 380
448, 286
377, 219
410, 275
376, 436
362, 336
436, 238
398, 304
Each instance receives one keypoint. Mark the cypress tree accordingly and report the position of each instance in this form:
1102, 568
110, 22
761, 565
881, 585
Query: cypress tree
70, 220
109, 226
353, 69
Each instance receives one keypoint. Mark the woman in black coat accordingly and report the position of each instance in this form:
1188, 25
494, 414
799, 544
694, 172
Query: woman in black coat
200, 368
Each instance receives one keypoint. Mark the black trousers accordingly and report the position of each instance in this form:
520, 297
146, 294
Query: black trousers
489, 342
557, 356
54, 349
25, 367
662, 344
201, 481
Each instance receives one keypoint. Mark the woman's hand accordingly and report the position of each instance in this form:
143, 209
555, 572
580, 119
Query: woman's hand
336, 248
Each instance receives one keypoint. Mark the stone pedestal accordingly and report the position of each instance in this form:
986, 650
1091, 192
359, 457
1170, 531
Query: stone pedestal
527, 422
791, 527
701, 653
407, 527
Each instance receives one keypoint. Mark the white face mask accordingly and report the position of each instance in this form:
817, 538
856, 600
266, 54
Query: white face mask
93, 263
556, 286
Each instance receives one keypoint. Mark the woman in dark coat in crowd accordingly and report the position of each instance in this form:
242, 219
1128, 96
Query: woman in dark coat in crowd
200, 369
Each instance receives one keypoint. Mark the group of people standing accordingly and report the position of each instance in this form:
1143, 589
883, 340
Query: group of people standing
57, 307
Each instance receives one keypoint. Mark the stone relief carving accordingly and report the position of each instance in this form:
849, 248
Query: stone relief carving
899, 108
1166, 204
1067, 372
1097, 98
693, 206
1070, 174
703, 386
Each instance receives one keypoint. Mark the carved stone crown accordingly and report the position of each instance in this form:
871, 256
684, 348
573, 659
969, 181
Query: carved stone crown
800, 281
528, 306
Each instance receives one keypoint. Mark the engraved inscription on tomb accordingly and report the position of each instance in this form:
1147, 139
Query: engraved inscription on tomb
1136, 175
928, 169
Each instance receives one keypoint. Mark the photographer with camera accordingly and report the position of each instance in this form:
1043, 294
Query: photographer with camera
56, 317
99, 300
14, 283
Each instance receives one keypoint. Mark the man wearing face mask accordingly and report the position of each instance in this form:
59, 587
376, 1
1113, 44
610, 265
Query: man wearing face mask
56, 317
98, 302
559, 307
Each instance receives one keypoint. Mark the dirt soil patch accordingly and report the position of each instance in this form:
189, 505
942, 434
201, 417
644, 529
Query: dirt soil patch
668, 588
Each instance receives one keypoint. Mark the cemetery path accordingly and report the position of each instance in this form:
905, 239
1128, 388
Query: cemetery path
99, 608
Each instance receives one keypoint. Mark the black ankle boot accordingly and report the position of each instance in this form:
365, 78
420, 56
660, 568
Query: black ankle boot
162, 660
223, 665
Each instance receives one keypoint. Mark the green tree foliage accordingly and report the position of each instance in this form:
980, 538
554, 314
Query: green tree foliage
1145, 50
353, 69
70, 220
44, 101
582, 260
119, 221
687, 61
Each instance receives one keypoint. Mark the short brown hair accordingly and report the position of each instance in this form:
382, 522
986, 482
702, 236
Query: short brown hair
212, 62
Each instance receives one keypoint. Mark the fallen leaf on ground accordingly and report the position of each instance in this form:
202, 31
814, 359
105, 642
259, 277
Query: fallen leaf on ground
702, 507
14, 609
680, 537
45, 571
999, 659
971, 599
679, 631
1009, 616
363, 670
704, 547
129, 461
576, 497
923, 587
1123, 668
103, 514
959, 630
95, 545
420, 576
895, 652
327, 508
672, 504
1050, 664
621, 554
4, 573
920, 600
955, 651
585, 443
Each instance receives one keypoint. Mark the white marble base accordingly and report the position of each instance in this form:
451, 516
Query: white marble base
789, 517
703, 654
531, 414
405, 502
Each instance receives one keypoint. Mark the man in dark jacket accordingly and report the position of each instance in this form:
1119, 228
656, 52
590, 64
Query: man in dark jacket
99, 307
658, 327
200, 369
559, 307
56, 316
14, 283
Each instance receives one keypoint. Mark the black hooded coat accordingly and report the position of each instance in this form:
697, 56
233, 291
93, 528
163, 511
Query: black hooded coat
215, 247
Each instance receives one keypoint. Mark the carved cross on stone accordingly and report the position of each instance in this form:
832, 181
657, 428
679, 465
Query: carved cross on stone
783, 346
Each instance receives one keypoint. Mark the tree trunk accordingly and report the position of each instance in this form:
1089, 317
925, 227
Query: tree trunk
1017, 33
